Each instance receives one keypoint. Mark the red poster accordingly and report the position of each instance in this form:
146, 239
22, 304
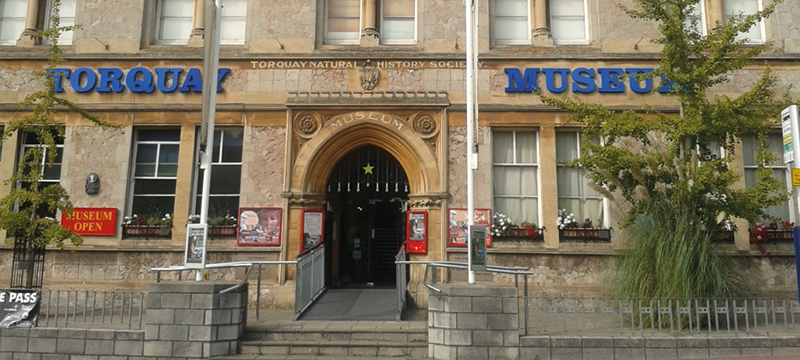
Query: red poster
91, 221
458, 229
417, 232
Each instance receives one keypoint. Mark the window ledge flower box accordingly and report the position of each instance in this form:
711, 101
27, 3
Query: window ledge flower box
585, 235
780, 236
221, 231
520, 235
146, 231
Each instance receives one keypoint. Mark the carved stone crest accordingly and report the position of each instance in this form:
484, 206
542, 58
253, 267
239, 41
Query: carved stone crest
424, 203
369, 76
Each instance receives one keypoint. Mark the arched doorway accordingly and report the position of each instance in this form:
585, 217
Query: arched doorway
367, 192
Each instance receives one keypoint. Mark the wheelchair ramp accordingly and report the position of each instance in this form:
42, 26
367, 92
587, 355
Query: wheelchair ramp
354, 305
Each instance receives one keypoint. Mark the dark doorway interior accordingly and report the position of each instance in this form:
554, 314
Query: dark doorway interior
367, 191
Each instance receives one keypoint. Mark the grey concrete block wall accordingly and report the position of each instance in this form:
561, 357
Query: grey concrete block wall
183, 321
473, 322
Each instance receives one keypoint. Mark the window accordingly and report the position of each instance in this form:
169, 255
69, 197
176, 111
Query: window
515, 175
234, 17
50, 173
568, 23
511, 22
398, 21
12, 20
155, 171
67, 14
696, 19
174, 21
2, 132
740, 9
750, 151
226, 174
342, 21
574, 193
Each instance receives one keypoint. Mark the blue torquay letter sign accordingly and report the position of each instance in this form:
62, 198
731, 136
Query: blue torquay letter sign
137, 80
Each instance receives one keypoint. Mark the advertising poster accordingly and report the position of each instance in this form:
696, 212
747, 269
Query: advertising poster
195, 254
19, 308
478, 250
313, 222
458, 224
259, 226
417, 232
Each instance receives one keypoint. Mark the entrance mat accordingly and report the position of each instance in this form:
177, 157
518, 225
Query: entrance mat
354, 305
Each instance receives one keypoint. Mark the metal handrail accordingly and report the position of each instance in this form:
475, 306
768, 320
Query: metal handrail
515, 270
310, 278
400, 279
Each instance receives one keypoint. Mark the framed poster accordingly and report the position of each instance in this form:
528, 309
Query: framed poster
259, 226
312, 224
457, 231
417, 232
194, 257
477, 252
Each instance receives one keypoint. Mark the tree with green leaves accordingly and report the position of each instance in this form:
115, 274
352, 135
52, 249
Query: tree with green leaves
25, 213
678, 189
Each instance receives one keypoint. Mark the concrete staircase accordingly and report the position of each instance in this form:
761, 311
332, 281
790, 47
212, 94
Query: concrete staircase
278, 337
340, 340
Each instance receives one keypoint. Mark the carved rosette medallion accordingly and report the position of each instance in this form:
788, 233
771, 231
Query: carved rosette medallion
307, 124
424, 203
425, 124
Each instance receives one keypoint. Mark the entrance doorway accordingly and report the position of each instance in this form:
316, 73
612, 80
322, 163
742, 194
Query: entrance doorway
367, 191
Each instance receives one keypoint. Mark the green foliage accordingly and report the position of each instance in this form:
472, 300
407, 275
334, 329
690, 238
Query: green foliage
663, 166
672, 257
19, 209
648, 148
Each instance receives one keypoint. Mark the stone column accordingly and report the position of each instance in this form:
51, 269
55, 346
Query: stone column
198, 24
370, 35
473, 322
715, 12
541, 32
193, 320
548, 199
28, 36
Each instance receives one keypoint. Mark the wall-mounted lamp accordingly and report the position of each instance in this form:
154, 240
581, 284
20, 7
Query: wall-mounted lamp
92, 186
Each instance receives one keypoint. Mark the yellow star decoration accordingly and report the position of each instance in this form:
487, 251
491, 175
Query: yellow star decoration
368, 169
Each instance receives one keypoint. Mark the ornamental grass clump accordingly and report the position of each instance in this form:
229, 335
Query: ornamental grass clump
668, 244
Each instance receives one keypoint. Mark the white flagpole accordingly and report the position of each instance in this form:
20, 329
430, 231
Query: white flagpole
471, 111
213, 13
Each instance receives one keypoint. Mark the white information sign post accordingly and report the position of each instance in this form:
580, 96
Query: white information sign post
789, 119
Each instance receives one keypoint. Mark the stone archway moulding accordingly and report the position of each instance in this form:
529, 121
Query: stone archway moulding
346, 132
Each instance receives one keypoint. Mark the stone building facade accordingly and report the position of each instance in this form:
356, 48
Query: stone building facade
314, 91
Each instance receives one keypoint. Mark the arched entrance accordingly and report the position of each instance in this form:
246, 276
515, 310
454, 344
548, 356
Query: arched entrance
367, 192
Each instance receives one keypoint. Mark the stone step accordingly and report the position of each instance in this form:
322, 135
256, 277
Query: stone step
406, 335
305, 357
352, 348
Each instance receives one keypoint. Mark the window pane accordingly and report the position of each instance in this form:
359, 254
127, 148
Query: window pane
569, 181
749, 150
343, 20
398, 29
568, 19
503, 147
146, 160
393, 8
176, 19
159, 135
168, 154
527, 149
518, 210
177, 8
225, 179
511, 28
567, 146
146, 205
344, 8
515, 180
152, 187
1, 144
232, 146
583, 209
12, 20
219, 205
739, 8
234, 14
